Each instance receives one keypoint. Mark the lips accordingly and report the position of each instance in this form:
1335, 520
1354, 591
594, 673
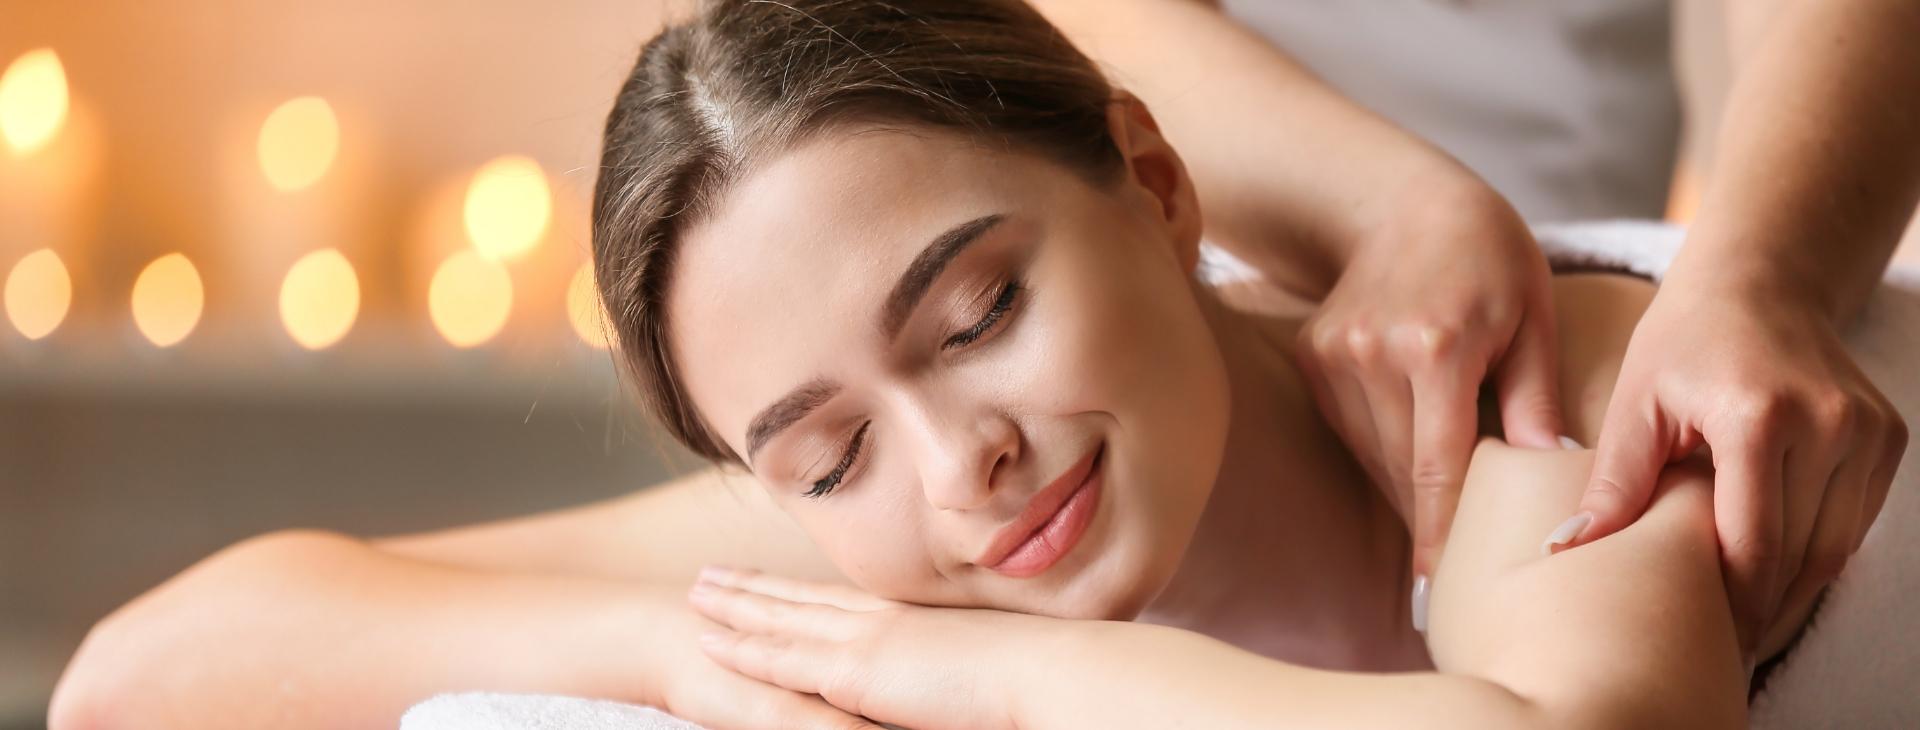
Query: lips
1051, 524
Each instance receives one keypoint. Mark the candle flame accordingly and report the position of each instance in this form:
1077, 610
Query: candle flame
33, 100
167, 300
319, 299
469, 299
38, 294
298, 143
508, 207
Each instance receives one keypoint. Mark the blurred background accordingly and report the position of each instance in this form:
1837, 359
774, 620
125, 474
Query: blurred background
272, 264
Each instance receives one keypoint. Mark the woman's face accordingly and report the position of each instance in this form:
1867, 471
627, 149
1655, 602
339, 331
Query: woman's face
911, 337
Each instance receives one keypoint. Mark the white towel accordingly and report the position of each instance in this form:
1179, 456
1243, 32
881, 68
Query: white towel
504, 711
1858, 666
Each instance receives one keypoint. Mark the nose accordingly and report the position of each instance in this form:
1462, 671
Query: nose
962, 451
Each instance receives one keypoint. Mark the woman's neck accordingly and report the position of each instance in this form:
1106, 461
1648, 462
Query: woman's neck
1297, 556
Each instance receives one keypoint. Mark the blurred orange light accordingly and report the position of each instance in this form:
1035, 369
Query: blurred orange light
319, 299
508, 207
298, 143
584, 311
33, 100
167, 299
469, 299
38, 293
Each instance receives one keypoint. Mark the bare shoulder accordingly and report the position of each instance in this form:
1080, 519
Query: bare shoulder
1634, 627
664, 532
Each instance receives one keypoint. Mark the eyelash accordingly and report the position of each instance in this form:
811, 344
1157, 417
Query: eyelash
1001, 305
826, 484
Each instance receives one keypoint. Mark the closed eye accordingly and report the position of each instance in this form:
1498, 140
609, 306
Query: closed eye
826, 484
1000, 307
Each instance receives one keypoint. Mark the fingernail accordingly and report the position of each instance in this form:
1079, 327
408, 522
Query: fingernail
1567, 442
1566, 532
715, 574
1420, 604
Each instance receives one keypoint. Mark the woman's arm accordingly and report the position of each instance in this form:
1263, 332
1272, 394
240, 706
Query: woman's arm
307, 629
659, 534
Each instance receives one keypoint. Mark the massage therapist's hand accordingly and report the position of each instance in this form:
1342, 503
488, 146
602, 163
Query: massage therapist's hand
1804, 447
913, 666
1449, 291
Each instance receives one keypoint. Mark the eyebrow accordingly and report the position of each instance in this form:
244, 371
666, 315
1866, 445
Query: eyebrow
906, 294
926, 267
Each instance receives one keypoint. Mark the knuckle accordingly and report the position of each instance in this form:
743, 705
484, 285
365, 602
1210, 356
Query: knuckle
1428, 341
1432, 476
1361, 343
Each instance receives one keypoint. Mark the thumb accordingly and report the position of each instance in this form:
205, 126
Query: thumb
1630, 456
1529, 387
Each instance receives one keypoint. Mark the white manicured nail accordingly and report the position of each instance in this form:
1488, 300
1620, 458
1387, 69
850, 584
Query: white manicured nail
1420, 604
1567, 442
1566, 531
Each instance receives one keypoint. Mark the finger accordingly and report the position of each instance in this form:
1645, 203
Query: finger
1894, 448
1389, 398
1343, 402
1747, 515
768, 584
1445, 426
776, 660
1627, 459
1831, 542
759, 614
1809, 472
1529, 385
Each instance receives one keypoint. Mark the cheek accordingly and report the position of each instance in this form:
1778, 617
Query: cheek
876, 542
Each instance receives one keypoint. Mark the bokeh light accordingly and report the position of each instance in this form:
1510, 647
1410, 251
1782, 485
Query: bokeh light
298, 143
319, 299
508, 207
469, 299
33, 100
167, 300
38, 294
584, 310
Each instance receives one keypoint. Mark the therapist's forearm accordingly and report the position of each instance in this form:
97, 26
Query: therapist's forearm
1817, 162
1274, 153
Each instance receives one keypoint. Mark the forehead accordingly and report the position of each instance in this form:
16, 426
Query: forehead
782, 281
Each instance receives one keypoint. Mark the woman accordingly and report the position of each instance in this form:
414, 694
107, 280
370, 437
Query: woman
982, 376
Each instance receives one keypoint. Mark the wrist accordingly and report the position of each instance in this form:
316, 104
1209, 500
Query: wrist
1437, 196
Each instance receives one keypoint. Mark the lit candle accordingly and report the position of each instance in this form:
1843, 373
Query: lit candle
296, 223
50, 159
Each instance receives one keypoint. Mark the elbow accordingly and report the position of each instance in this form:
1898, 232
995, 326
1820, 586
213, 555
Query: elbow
110, 680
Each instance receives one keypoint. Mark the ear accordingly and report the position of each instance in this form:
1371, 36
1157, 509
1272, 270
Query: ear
1155, 171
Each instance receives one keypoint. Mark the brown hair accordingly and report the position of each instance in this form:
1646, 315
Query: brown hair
746, 79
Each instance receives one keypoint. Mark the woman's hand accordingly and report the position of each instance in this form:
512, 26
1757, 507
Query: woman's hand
715, 697
1449, 290
1804, 446
907, 665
